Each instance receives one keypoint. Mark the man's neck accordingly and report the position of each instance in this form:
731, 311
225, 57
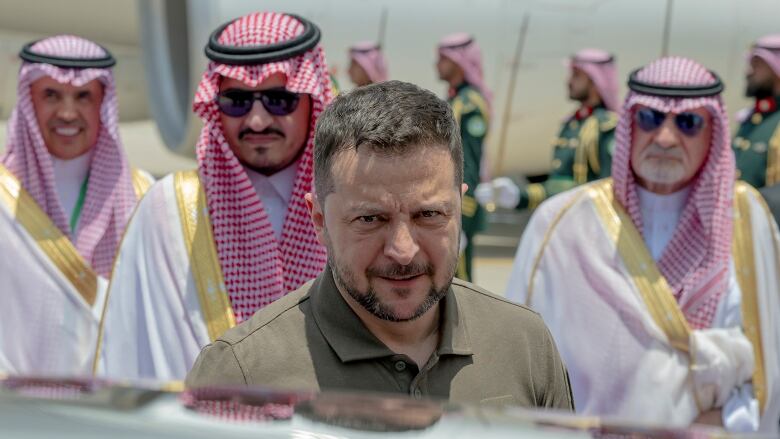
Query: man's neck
416, 339
457, 82
592, 101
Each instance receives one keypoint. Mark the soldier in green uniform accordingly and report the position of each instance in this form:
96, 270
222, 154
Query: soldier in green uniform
460, 64
757, 142
583, 148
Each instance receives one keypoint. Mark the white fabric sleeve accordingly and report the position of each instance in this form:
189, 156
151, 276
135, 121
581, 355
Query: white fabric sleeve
722, 360
741, 411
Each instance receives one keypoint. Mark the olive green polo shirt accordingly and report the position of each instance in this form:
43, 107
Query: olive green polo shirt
490, 351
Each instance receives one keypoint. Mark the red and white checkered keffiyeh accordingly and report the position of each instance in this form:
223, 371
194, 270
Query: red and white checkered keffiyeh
465, 52
257, 268
602, 73
768, 49
369, 56
695, 263
110, 196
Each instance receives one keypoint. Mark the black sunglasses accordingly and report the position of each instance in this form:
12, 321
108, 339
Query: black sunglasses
277, 101
648, 120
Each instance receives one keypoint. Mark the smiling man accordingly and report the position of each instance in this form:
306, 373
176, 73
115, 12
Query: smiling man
66, 194
210, 247
660, 284
386, 315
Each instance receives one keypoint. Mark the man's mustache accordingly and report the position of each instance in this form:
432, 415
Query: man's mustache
270, 131
398, 270
674, 152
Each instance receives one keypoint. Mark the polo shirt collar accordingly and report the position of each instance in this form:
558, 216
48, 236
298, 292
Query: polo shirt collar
352, 341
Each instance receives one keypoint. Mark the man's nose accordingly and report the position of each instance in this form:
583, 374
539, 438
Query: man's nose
667, 136
67, 110
401, 246
258, 118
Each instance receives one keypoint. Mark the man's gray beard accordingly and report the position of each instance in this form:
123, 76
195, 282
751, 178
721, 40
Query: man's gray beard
369, 300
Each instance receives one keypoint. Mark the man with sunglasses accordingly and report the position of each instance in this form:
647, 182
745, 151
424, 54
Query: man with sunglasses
367, 64
660, 284
210, 247
583, 148
66, 194
460, 64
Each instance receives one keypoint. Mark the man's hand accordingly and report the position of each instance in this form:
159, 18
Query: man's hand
710, 417
502, 192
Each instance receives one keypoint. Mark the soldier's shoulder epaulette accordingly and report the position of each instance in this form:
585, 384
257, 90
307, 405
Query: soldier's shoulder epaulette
607, 119
477, 101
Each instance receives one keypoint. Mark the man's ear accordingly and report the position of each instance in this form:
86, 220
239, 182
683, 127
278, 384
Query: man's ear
317, 216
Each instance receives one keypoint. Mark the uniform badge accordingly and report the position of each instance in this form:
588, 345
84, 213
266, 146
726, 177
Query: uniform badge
476, 126
742, 143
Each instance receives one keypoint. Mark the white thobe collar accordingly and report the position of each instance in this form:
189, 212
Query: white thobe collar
660, 215
69, 175
275, 192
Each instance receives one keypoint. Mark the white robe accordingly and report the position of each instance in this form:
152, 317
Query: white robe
153, 327
46, 326
620, 361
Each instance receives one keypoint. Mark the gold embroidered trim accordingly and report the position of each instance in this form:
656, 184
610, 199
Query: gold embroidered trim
469, 206
479, 102
56, 246
744, 263
773, 159
196, 226
536, 194
589, 148
547, 236
141, 183
655, 291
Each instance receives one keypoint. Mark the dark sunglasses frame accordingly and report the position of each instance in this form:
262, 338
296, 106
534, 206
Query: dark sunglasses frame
688, 123
236, 102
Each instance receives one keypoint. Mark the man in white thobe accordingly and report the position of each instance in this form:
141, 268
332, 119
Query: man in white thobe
66, 194
206, 249
660, 285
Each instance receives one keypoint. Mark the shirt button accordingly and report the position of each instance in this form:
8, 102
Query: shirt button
400, 365
417, 394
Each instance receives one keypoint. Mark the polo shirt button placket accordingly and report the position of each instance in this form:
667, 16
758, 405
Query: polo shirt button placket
400, 366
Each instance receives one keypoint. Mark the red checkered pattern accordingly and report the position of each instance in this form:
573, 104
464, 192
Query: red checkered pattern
696, 261
469, 58
369, 56
110, 196
258, 268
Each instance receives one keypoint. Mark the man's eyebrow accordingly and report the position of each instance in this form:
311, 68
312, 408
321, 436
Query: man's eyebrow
363, 206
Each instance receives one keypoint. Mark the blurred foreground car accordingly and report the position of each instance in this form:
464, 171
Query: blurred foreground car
44, 407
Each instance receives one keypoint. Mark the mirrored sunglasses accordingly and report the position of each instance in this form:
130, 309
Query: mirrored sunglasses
276, 101
648, 120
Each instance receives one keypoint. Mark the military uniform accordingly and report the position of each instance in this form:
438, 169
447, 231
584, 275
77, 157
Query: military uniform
583, 153
757, 145
471, 111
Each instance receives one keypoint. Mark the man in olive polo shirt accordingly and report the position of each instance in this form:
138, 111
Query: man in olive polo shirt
386, 314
